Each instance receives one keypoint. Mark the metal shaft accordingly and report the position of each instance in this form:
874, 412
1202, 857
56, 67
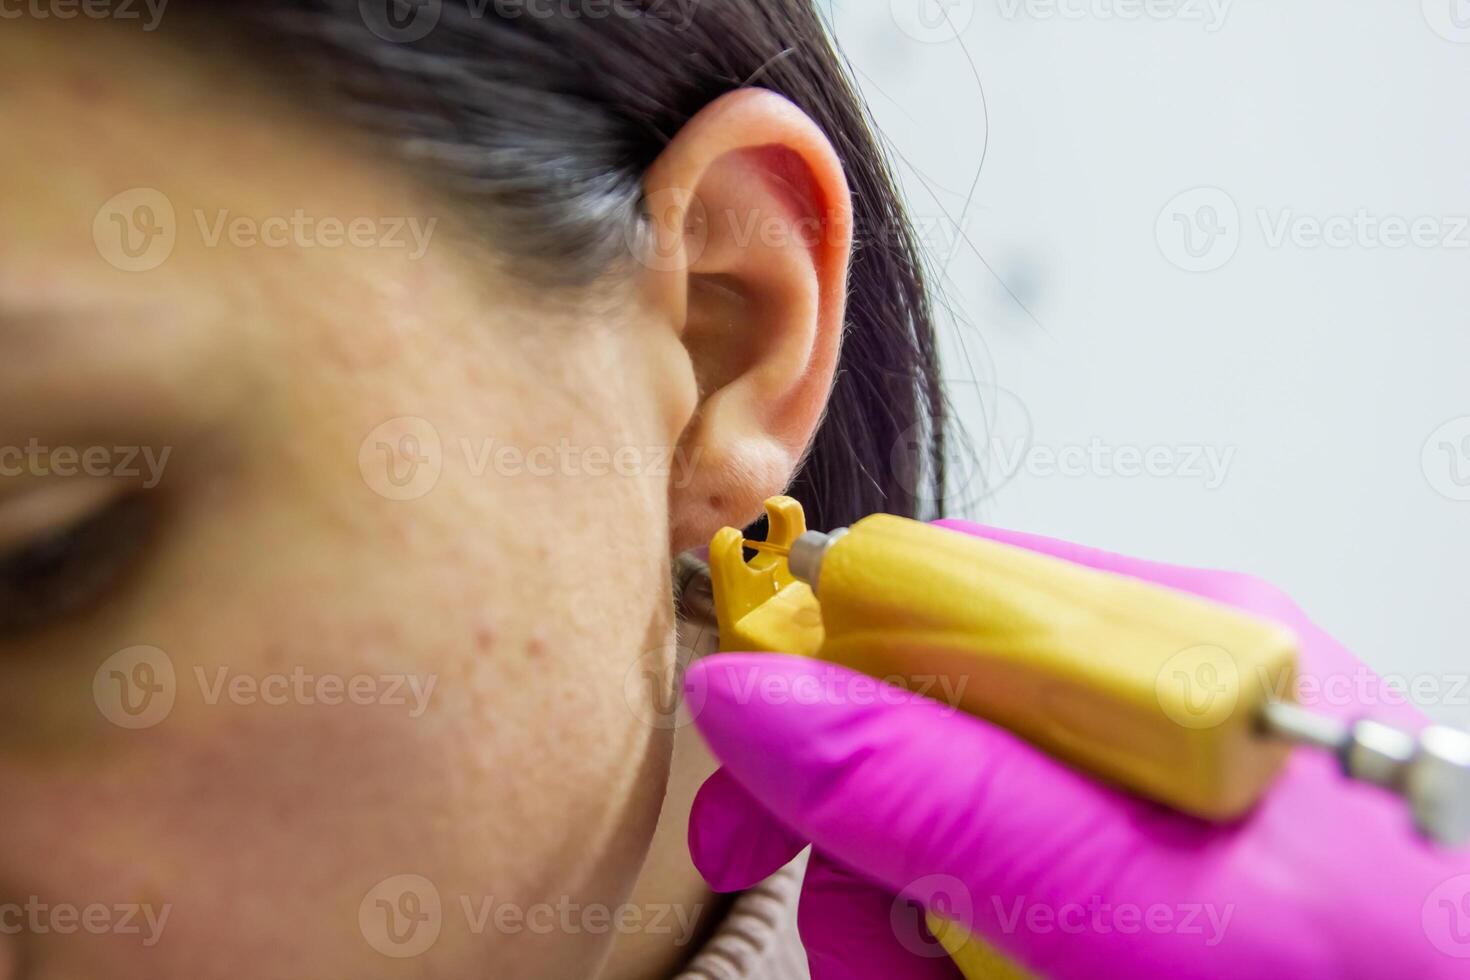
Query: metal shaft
1431, 770
807, 552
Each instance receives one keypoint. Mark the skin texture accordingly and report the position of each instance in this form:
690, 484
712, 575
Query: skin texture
537, 606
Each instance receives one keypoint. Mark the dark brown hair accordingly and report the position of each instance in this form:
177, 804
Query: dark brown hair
545, 116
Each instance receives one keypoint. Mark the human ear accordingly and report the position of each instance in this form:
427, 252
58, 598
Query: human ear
752, 231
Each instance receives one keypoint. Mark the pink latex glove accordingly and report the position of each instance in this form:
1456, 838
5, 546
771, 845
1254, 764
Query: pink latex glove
902, 796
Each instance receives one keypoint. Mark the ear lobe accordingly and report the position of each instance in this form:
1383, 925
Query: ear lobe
753, 229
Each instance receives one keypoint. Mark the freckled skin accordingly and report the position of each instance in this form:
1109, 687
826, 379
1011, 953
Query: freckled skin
530, 777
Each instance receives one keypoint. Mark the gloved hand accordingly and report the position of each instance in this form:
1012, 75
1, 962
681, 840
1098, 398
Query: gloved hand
903, 796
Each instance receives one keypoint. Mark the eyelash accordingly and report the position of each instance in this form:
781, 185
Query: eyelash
64, 570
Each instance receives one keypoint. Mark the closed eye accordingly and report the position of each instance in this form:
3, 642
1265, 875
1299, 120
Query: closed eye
60, 570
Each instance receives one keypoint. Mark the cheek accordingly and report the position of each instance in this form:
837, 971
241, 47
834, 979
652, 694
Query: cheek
254, 827
357, 735
501, 752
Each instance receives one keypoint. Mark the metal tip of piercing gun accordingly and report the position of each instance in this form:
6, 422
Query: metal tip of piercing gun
1182, 700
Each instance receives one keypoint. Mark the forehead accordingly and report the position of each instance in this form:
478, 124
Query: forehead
150, 194
170, 226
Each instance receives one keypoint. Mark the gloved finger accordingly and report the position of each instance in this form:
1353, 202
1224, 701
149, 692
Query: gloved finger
914, 793
853, 929
734, 841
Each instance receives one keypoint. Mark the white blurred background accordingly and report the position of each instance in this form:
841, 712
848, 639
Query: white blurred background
1210, 289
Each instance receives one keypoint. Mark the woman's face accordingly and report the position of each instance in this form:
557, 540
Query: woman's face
377, 666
